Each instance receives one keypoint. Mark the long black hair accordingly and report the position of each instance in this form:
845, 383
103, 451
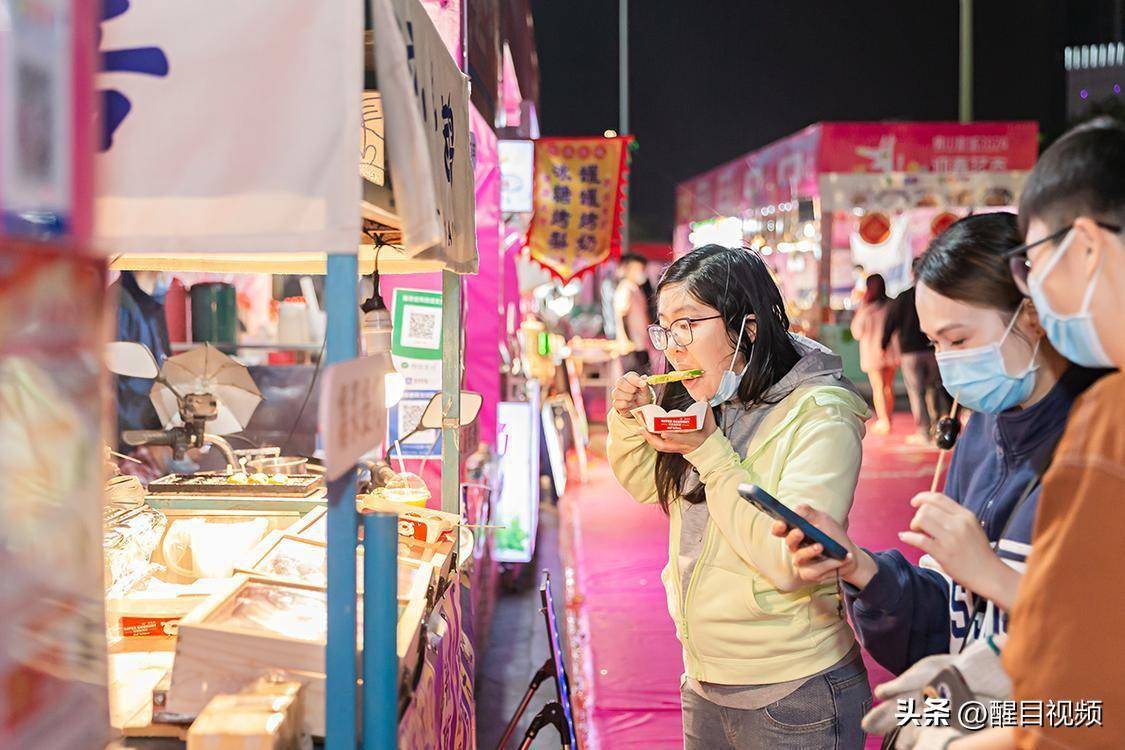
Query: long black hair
736, 282
876, 289
966, 262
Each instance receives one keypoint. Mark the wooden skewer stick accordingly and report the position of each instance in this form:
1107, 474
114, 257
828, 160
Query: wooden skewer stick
127, 458
483, 526
942, 454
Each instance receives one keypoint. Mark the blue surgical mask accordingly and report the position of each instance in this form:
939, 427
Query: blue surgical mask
728, 384
1074, 336
979, 380
160, 287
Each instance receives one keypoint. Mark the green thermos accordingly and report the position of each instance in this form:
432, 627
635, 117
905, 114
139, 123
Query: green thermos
214, 314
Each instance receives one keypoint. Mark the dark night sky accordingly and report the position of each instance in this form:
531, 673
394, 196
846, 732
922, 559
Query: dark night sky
712, 80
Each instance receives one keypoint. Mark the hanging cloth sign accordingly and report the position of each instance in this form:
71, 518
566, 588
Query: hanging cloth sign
229, 127
426, 106
578, 191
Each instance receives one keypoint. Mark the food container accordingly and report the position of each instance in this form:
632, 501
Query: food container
656, 419
412, 496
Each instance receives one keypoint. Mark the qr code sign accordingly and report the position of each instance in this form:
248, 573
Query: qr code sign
409, 415
421, 327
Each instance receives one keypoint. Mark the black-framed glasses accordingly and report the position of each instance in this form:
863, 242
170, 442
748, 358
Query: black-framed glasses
1020, 265
679, 332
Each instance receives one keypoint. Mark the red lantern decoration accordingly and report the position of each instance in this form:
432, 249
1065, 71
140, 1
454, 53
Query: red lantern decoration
941, 222
875, 228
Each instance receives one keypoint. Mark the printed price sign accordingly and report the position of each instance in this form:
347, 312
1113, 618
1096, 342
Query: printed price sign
353, 417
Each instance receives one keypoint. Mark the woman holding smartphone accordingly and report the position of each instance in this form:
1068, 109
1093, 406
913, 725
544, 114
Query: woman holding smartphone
769, 660
994, 357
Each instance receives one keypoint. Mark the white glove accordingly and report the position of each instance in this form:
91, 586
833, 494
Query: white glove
983, 671
883, 719
978, 664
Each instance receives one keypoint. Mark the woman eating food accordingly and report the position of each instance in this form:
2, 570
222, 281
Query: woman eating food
769, 660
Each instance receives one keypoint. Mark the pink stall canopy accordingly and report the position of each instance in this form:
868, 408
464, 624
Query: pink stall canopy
839, 164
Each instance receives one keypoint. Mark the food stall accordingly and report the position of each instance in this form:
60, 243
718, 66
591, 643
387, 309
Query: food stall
247, 600
837, 195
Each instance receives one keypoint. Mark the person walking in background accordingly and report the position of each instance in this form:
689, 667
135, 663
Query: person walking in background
877, 362
859, 276
928, 402
631, 310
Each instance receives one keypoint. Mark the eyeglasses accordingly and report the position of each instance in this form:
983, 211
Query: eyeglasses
678, 332
1020, 265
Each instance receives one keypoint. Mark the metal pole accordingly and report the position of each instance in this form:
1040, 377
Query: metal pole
623, 103
623, 61
450, 392
340, 662
966, 88
380, 646
824, 269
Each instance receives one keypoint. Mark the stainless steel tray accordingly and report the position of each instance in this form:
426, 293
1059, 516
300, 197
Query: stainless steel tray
216, 485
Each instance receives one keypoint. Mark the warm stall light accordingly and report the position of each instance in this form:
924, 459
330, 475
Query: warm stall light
394, 386
810, 230
560, 305
724, 230
610, 134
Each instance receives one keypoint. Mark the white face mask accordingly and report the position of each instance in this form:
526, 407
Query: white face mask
728, 384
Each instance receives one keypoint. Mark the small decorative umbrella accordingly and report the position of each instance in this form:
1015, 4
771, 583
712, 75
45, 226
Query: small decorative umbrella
205, 369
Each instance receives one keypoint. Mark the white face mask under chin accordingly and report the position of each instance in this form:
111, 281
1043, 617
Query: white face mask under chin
728, 384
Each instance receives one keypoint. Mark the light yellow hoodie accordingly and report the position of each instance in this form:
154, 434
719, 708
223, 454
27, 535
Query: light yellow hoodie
746, 618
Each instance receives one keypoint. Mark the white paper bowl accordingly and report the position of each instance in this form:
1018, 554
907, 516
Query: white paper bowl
656, 419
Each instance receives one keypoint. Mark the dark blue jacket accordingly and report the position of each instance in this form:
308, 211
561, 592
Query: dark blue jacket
140, 319
908, 612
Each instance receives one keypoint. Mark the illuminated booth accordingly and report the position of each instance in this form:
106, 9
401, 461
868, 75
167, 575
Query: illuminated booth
839, 194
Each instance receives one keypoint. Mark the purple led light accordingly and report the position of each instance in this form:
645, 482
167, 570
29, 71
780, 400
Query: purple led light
1084, 93
1117, 88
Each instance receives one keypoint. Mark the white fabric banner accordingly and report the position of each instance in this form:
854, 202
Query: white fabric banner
408, 148
416, 72
892, 258
230, 126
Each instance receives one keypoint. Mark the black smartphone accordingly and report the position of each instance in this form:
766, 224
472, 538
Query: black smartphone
773, 507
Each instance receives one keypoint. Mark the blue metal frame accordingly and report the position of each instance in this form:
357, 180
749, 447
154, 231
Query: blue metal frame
342, 305
380, 631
